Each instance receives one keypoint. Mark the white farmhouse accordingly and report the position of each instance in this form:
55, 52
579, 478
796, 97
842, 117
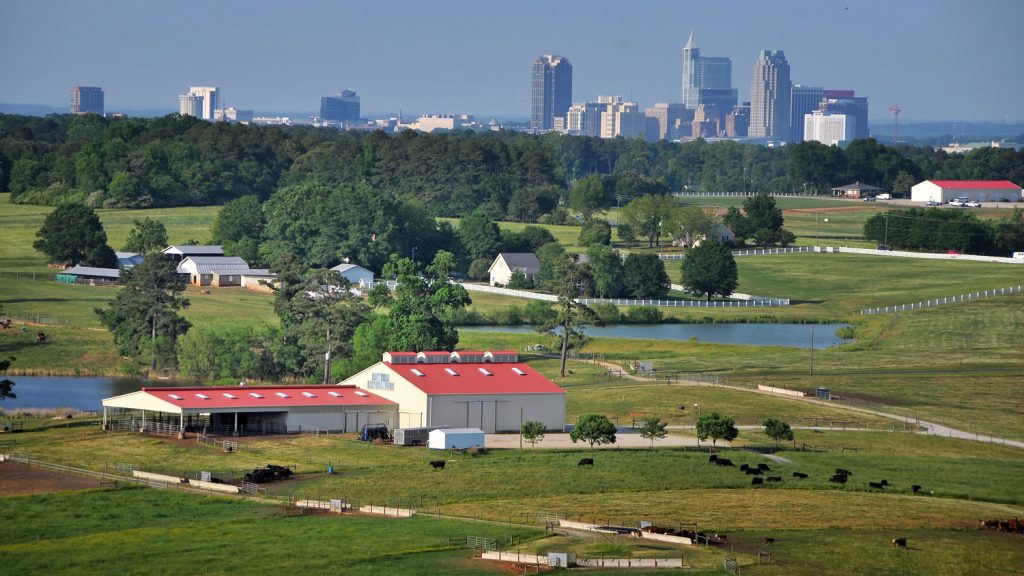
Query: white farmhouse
508, 262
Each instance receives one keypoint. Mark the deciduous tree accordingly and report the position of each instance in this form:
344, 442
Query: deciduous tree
73, 234
595, 429
717, 427
653, 429
710, 269
777, 430
532, 431
644, 276
147, 236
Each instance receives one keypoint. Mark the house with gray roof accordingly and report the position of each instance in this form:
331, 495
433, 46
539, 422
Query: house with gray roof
181, 251
214, 270
356, 275
508, 262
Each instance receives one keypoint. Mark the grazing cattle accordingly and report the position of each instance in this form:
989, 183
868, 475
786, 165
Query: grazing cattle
884, 482
763, 467
876, 485
774, 479
915, 488
40, 338
585, 462
743, 467
437, 464
752, 472
838, 479
721, 537
724, 462
990, 524
756, 481
713, 458
769, 541
682, 407
799, 475
898, 543
844, 472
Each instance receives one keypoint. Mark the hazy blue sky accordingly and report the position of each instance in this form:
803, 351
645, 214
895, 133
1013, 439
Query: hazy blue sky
940, 60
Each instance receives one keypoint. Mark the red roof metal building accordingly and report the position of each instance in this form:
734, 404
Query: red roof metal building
248, 409
976, 184
943, 191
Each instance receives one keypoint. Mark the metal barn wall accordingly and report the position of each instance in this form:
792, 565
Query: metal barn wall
340, 419
497, 413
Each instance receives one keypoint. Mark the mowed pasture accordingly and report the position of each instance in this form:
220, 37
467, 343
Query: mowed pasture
147, 531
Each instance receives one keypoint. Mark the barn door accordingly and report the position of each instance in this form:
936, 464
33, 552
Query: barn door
487, 416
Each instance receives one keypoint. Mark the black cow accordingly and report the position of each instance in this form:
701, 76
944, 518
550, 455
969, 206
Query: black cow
713, 458
437, 464
756, 481
838, 479
774, 479
743, 467
876, 485
915, 488
799, 475
884, 482
585, 462
763, 467
844, 472
753, 472
769, 541
724, 462
898, 543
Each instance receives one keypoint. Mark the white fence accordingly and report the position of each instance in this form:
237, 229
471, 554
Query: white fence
751, 252
533, 559
746, 301
927, 255
945, 300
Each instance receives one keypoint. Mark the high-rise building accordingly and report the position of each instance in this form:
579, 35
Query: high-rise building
845, 102
207, 102
87, 99
665, 120
737, 122
190, 105
770, 92
341, 108
584, 119
705, 73
804, 100
551, 93
829, 129
620, 118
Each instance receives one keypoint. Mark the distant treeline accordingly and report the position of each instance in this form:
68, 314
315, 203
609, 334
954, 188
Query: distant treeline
176, 161
942, 229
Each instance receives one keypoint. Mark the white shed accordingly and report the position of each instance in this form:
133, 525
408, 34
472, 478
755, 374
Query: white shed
457, 438
356, 275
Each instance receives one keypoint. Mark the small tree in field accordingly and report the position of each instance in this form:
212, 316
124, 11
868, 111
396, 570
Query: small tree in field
594, 429
653, 429
777, 430
532, 431
717, 427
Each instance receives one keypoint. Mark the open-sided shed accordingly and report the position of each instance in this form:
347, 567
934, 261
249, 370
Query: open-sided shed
249, 409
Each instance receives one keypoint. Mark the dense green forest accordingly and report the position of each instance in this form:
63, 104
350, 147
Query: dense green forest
176, 160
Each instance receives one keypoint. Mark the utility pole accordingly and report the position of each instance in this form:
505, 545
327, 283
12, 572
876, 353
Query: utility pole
895, 123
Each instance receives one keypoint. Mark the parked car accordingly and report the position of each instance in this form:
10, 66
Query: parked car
868, 199
1018, 255
885, 196
974, 204
934, 203
961, 202
883, 247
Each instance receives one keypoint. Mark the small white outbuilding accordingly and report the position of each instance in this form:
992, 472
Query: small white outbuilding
457, 438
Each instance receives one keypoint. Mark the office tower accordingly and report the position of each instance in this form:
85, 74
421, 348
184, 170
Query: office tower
770, 92
829, 129
845, 102
551, 93
737, 122
584, 119
804, 100
705, 73
666, 120
620, 118
233, 115
87, 99
341, 108
207, 108
190, 105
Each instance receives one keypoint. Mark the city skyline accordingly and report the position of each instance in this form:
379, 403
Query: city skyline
264, 59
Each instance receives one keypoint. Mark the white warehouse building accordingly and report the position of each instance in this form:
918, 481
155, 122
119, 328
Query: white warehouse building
491, 391
942, 191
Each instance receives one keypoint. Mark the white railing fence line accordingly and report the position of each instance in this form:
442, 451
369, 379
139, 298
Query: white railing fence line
944, 300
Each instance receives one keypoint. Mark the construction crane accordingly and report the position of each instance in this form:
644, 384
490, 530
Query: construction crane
895, 123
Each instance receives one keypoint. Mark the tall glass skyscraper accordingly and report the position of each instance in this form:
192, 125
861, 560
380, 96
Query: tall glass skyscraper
804, 100
770, 93
87, 99
551, 93
712, 73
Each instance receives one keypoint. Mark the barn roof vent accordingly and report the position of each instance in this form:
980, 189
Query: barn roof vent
203, 396
335, 394
519, 371
255, 395
309, 395
485, 371
282, 394
451, 372
175, 397
361, 393
230, 395
418, 372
